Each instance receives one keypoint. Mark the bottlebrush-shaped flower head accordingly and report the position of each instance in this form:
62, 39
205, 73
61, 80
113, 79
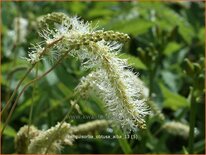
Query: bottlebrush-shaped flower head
37, 141
67, 33
96, 49
40, 143
126, 107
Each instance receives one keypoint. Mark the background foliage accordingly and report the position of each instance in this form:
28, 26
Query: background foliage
166, 49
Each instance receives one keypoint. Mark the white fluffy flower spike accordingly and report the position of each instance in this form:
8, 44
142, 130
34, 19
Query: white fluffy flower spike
96, 50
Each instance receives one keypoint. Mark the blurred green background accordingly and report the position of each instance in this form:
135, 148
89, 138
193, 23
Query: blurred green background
166, 49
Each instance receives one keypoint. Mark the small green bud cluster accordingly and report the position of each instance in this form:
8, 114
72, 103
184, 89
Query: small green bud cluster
62, 33
97, 36
51, 18
195, 71
104, 35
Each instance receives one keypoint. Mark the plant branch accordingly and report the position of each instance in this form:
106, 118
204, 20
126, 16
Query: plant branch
17, 87
32, 104
45, 50
28, 84
56, 133
192, 121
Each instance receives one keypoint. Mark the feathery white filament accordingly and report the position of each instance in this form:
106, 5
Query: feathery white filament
97, 50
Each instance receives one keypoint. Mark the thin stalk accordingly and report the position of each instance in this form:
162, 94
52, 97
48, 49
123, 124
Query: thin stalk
17, 87
63, 120
9, 81
32, 103
192, 121
15, 56
27, 85
151, 78
52, 108
29, 70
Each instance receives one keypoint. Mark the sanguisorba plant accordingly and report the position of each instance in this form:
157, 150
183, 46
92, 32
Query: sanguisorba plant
110, 77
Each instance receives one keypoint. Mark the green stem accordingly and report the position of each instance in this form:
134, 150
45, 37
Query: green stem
9, 79
16, 89
151, 78
29, 70
32, 103
55, 134
192, 121
27, 85
52, 108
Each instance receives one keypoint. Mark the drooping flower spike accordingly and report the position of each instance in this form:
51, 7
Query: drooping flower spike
97, 49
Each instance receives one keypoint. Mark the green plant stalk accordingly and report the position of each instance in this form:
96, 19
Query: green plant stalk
27, 85
52, 108
63, 120
10, 76
32, 104
13, 64
192, 121
17, 87
152, 76
28, 71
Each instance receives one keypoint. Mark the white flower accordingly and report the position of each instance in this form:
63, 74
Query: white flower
97, 50
130, 115
37, 142
40, 143
178, 128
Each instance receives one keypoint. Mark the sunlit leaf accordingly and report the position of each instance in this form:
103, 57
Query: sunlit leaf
171, 48
9, 131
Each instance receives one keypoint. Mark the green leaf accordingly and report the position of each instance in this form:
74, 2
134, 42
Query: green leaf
65, 90
97, 13
133, 61
9, 131
201, 35
123, 142
171, 48
87, 107
199, 146
186, 32
23, 107
134, 26
167, 18
185, 150
76, 7
172, 100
